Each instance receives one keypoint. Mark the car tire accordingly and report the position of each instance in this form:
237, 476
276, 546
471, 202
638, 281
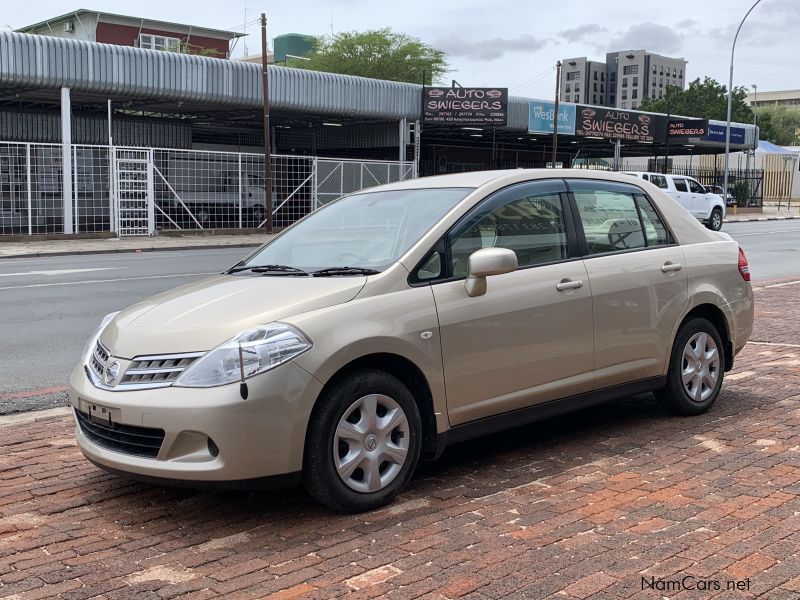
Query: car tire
696, 369
363, 442
715, 220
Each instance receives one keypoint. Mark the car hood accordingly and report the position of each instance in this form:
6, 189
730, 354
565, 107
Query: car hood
198, 316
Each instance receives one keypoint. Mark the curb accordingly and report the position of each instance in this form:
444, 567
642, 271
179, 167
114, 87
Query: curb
128, 250
750, 219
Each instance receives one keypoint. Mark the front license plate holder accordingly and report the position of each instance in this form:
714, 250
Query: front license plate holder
98, 413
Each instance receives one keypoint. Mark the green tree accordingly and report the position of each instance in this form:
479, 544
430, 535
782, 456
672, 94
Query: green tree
379, 54
706, 99
779, 125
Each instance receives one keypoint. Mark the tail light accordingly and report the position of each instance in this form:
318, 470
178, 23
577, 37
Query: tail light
744, 268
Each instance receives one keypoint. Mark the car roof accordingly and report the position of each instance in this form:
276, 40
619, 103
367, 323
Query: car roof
476, 179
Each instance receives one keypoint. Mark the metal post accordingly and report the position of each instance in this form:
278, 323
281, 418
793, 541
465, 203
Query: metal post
151, 201
66, 159
402, 145
112, 218
617, 154
314, 190
555, 114
730, 100
28, 180
267, 163
417, 131
75, 193
241, 190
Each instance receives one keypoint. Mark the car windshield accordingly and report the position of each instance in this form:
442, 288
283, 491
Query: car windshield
370, 230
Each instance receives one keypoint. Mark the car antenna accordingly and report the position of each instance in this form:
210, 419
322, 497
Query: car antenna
243, 385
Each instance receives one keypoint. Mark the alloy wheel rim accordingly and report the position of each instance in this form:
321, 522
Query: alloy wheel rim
700, 367
717, 220
370, 444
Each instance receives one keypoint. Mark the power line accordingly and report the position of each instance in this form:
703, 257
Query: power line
531, 81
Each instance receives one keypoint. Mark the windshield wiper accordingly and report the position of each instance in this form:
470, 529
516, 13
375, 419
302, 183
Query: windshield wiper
282, 269
333, 271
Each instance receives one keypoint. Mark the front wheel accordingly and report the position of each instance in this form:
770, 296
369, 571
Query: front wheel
363, 442
715, 221
696, 369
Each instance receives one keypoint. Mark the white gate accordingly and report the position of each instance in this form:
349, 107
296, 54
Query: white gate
133, 192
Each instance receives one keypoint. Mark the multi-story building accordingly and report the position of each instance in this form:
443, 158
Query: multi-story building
121, 30
623, 80
783, 97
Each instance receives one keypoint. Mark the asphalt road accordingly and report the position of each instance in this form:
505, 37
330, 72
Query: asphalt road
48, 306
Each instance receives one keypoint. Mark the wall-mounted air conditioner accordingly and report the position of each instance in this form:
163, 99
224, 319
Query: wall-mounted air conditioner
69, 27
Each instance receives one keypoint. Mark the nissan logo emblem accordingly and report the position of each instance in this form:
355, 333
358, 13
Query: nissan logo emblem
112, 372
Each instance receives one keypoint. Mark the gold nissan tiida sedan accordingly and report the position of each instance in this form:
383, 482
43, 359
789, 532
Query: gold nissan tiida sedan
400, 319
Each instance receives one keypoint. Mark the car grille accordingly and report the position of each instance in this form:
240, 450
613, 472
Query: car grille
127, 439
157, 369
144, 372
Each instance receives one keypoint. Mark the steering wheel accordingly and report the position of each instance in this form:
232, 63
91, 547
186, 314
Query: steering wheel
358, 262
617, 239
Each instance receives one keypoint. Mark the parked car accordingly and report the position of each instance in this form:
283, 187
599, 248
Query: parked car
407, 317
716, 189
707, 207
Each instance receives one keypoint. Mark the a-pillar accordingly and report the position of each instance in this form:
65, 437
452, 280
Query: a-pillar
66, 158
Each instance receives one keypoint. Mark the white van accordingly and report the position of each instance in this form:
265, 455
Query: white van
706, 207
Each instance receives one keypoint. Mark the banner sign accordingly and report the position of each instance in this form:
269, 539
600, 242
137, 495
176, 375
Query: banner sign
612, 124
716, 133
679, 129
465, 106
540, 117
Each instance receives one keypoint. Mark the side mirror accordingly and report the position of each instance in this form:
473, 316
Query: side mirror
485, 262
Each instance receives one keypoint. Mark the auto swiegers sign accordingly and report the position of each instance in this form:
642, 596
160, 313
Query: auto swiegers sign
465, 106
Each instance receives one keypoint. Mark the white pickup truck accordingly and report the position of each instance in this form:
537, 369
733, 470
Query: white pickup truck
706, 207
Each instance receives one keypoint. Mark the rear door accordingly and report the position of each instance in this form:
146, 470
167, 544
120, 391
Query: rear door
637, 275
699, 199
682, 195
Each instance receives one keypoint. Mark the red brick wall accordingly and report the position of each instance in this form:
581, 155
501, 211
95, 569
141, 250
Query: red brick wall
124, 35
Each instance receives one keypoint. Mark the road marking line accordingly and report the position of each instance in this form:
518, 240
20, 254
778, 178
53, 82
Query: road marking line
32, 393
39, 285
61, 271
774, 344
35, 415
768, 286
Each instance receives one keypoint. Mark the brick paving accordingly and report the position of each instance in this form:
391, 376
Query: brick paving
597, 504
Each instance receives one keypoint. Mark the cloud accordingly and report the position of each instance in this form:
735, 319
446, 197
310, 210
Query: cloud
647, 36
577, 34
769, 24
490, 49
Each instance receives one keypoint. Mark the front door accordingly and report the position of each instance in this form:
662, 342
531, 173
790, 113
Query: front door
529, 338
638, 278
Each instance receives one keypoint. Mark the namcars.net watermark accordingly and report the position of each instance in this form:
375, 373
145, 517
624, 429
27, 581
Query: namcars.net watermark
692, 583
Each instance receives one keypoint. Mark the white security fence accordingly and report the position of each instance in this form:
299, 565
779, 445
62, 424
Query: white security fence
137, 191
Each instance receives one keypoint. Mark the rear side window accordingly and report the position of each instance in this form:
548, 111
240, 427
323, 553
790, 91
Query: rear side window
659, 181
526, 218
680, 185
695, 187
617, 217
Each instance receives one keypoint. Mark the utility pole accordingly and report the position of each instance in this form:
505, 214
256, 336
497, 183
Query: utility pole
555, 114
267, 152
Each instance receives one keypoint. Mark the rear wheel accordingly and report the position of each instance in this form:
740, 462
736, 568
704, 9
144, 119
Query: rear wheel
696, 369
363, 442
715, 221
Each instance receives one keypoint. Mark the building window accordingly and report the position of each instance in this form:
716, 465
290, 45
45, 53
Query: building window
635, 81
635, 94
630, 70
568, 90
602, 76
624, 105
594, 98
595, 87
612, 99
573, 75
654, 70
661, 69
602, 88
612, 76
634, 105
158, 42
681, 74
674, 72
624, 94
577, 88
625, 82
595, 75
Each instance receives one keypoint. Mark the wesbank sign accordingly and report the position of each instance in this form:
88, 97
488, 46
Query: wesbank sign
540, 117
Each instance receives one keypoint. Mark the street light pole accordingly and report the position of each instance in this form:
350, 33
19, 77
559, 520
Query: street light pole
730, 100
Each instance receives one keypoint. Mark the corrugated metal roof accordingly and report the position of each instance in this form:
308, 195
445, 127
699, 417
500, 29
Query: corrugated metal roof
36, 62
32, 61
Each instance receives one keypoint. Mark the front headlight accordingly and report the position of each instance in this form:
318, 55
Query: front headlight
261, 348
86, 353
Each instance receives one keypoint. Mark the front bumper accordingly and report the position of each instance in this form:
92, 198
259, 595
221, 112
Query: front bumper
260, 437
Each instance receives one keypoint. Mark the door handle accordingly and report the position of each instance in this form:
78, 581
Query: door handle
568, 284
669, 267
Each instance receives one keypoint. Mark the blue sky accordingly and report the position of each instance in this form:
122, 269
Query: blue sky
515, 43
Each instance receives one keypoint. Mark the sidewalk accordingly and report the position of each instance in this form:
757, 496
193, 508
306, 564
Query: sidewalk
19, 249
35, 247
615, 502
